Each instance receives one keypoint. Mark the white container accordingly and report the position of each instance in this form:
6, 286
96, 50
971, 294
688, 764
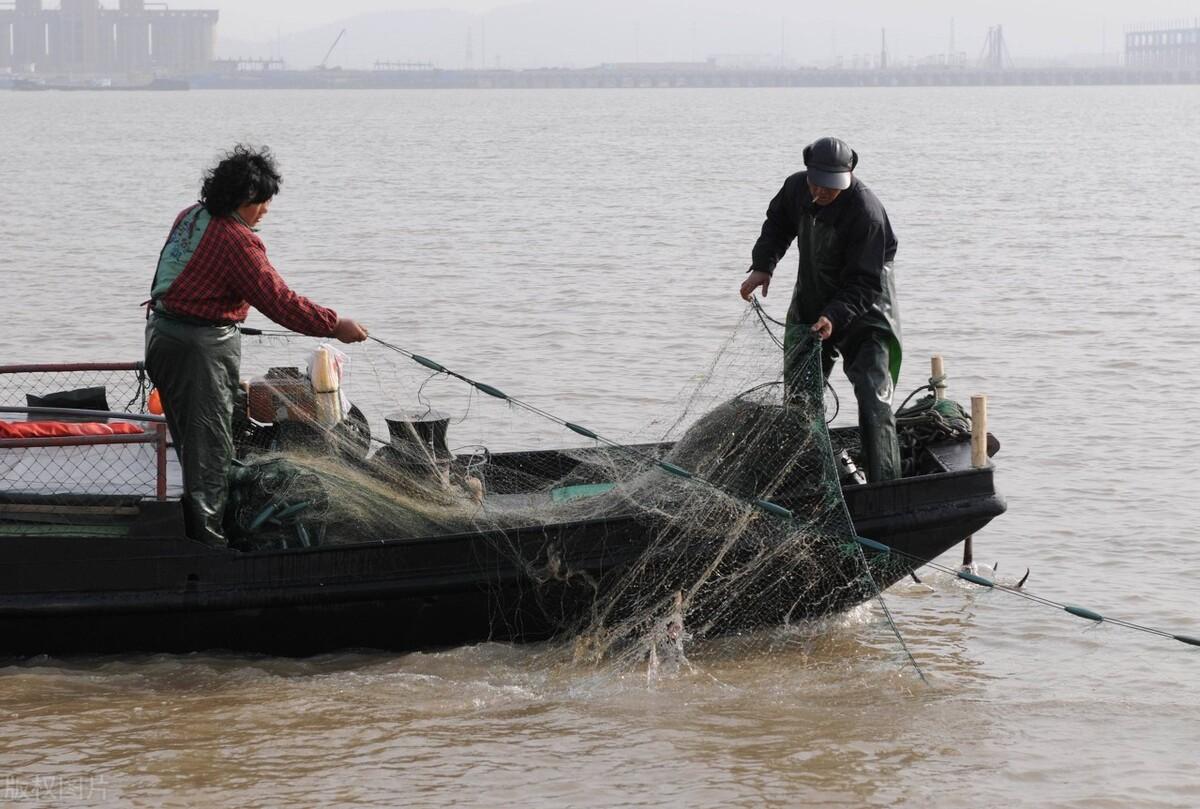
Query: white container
325, 373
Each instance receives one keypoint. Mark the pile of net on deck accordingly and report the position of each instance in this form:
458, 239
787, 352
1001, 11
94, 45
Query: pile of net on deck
695, 484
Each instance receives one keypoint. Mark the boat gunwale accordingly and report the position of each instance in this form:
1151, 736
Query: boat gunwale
899, 484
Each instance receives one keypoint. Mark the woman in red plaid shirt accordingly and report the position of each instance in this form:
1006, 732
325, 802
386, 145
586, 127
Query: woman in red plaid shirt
212, 269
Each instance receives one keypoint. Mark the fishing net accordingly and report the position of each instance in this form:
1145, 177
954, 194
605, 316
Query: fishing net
724, 512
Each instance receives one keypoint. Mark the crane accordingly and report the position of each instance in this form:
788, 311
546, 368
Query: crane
341, 34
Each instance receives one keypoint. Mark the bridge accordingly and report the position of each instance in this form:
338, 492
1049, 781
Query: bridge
696, 75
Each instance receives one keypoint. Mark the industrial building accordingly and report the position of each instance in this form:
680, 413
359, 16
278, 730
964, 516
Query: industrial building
82, 37
1163, 47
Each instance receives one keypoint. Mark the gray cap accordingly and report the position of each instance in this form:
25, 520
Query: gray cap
829, 162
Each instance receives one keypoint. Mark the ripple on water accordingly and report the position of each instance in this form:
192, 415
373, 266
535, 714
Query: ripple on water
584, 249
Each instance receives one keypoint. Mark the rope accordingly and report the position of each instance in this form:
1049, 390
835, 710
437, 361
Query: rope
928, 421
141, 393
763, 317
1081, 612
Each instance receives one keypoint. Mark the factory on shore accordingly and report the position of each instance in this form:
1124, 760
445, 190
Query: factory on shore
81, 37
1163, 46
85, 42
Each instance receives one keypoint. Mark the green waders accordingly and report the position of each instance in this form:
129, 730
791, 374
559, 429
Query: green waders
196, 369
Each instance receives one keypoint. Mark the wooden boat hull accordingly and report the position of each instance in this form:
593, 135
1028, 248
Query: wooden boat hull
157, 591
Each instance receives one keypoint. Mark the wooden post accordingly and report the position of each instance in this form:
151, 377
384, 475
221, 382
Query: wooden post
979, 457
937, 374
161, 454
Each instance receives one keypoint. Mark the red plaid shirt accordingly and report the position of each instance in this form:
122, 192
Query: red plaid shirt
229, 273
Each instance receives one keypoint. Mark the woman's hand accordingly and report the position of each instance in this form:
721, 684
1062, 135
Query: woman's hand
349, 331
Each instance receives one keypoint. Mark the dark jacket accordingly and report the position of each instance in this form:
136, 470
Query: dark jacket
845, 249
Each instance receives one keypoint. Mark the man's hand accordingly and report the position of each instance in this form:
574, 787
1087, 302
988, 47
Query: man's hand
348, 331
753, 281
823, 328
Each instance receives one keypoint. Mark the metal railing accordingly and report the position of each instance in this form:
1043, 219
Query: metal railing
158, 437
155, 430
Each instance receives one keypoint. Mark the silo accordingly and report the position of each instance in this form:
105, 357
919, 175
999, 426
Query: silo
29, 35
133, 36
78, 36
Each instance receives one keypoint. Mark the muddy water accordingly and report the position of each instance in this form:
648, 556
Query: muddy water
584, 248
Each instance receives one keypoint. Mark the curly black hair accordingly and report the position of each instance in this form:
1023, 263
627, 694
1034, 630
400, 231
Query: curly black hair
243, 176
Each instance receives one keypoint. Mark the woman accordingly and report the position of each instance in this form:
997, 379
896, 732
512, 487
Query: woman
212, 269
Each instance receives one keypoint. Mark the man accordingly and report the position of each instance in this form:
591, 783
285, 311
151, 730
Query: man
844, 292
212, 269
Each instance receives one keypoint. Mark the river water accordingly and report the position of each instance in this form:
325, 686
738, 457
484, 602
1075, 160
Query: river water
582, 249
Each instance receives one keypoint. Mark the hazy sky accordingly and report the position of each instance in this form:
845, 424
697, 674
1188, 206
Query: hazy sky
581, 32
261, 19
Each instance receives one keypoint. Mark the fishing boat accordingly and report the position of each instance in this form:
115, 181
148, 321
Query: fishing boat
87, 567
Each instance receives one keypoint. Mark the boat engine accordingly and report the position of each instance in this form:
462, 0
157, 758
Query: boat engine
281, 411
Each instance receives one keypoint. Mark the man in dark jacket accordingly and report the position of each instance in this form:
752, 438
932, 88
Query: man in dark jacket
845, 292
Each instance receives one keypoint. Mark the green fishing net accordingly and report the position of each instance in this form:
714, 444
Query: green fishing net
723, 513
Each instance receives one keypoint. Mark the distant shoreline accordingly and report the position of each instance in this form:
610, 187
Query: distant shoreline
686, 75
